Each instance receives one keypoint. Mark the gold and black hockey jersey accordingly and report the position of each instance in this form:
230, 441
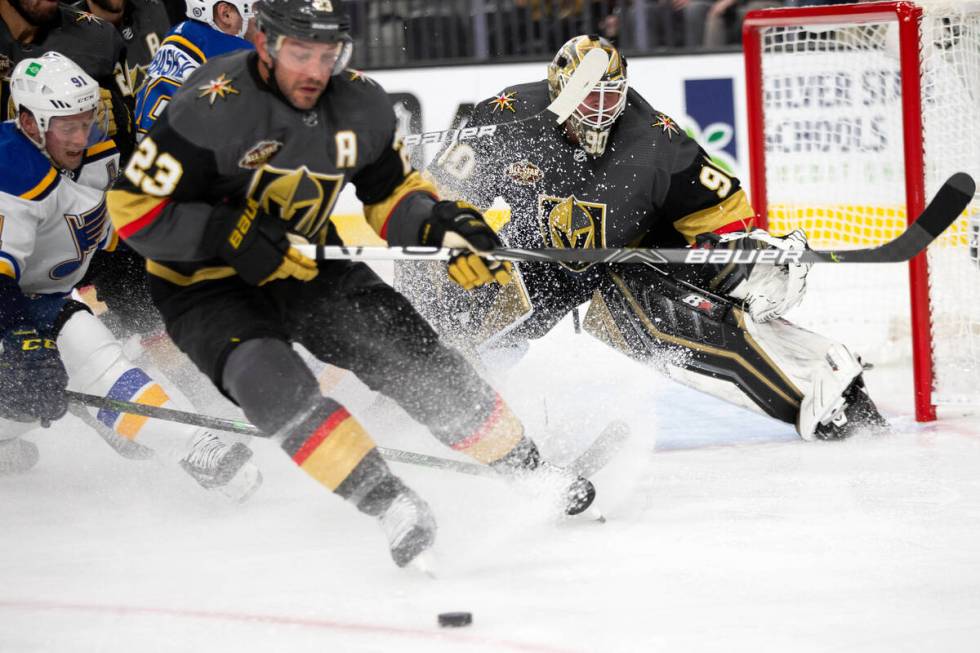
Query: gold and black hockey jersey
143, 26
653, 185
227, 136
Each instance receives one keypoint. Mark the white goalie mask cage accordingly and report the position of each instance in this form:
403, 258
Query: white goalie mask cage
594, 118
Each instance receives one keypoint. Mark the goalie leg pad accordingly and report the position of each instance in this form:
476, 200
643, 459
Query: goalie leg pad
788, 372
696, 338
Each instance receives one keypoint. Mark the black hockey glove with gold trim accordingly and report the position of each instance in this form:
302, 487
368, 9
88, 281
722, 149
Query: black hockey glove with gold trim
461, 226
257, 245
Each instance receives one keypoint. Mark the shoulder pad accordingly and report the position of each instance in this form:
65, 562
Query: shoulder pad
27, 173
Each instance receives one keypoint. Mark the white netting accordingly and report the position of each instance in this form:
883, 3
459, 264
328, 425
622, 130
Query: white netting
835, 167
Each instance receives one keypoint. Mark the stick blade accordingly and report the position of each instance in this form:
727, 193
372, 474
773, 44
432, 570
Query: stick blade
951, 200
580, 84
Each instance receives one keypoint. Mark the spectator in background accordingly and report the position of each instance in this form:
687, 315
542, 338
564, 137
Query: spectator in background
552, 22
705, 23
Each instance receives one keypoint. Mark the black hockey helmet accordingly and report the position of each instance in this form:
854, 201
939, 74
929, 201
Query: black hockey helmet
323, 21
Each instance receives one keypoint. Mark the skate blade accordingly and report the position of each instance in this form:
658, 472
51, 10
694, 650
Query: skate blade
424, 563
592, 514
245, 484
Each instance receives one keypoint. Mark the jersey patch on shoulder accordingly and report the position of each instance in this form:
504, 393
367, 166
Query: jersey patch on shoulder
359, 76
503, 102
86, 17
217, 88
666, 124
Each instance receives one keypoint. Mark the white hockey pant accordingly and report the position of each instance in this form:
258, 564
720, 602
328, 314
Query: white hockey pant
96, 365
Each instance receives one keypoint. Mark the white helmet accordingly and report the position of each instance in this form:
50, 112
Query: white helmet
203, 10
50, 86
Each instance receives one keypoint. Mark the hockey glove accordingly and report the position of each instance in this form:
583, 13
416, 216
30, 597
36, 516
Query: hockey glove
256, 244
461, 226
766, 291
772, 290
106, 115
33, 380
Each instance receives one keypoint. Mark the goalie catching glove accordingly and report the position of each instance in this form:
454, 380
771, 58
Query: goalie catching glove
258, 246
766, 291
460, 226
33, 379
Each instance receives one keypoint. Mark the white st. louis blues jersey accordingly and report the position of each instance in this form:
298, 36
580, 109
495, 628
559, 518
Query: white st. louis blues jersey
51, 222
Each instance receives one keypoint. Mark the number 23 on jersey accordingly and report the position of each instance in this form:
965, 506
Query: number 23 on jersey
153, 172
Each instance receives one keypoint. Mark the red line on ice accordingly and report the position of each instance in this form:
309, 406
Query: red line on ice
324, 624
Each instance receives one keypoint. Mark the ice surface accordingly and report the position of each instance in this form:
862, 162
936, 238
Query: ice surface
724, 533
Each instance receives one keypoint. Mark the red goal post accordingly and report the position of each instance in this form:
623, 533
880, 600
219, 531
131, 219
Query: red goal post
836, 111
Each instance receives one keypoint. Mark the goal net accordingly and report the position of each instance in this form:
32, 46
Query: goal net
857, 114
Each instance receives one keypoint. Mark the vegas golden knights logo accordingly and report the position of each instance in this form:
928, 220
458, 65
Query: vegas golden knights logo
571, 223
301, 197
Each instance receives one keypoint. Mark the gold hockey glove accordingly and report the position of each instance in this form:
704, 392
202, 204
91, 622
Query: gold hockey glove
256, 245
105, 114
461, 226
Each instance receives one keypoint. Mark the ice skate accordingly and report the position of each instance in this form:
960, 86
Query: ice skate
17, 455
222, 467
838, 403
575, 493
410, 528
855, 412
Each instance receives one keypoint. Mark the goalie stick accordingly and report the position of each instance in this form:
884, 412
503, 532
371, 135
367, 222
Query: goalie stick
611, 437
952, 198
592, 67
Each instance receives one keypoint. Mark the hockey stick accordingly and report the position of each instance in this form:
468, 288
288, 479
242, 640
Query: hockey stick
592, 67
244, 428
613, 435
942, 211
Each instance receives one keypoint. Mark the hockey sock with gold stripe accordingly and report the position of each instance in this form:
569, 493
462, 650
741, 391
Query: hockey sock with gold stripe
332, 447
499, 433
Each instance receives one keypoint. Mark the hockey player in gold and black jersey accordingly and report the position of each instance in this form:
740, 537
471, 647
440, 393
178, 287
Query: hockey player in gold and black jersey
250, 156
620, 173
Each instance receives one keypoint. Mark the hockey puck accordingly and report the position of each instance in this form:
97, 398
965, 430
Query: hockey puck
455, 619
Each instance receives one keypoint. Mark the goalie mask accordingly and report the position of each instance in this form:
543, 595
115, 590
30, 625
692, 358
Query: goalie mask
320, 21
203, 10
593, 119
